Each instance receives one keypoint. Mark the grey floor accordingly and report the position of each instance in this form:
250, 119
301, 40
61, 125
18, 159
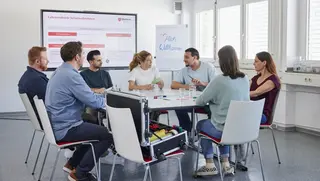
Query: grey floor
299, 153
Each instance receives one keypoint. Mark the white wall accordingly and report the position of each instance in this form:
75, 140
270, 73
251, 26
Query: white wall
298, 104
20, 30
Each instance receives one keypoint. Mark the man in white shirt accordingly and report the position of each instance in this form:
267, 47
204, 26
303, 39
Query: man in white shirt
196, 73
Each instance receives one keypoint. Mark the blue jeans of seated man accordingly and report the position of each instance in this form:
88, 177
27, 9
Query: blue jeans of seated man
184, 119
207, 127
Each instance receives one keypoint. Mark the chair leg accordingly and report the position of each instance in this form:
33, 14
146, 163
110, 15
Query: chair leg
198, 153
55, 164
168, 119
113, 165
95, 162
219, 162
34, 132
146, 173
35, 164
150, 176
236, 155
44, 161
275, 144
180, 169
258, 145
99, 163
247, 151
252, 148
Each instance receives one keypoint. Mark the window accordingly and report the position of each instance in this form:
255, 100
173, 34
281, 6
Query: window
257, 28
313, 36
243, 25
205, 33
229, 27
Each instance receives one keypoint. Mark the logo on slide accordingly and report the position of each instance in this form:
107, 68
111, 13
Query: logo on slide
124, 19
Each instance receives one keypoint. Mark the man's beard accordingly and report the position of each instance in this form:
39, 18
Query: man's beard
97, 66
43, 67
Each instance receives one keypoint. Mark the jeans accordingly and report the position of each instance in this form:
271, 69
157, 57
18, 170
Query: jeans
184, 119
82, 158
207, 127
263, 119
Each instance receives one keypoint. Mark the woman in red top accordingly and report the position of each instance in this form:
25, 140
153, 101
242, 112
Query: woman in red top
266, 84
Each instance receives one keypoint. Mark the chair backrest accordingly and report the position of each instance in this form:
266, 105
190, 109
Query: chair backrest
270, 121
30, 111
243, 122
124, 134
46, 124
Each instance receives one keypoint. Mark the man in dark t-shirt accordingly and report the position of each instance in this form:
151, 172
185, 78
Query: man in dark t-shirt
98, 80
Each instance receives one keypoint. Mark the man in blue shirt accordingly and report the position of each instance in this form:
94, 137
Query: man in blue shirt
34, 82
196, 73
66, 97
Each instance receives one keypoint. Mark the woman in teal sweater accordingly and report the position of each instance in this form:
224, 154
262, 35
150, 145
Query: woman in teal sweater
230, 85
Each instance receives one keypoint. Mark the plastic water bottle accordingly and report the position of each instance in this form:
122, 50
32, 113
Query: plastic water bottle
192, 90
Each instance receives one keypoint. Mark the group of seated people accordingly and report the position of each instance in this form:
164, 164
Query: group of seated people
68, 94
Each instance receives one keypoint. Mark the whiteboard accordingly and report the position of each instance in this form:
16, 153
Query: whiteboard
114, 35
171, 42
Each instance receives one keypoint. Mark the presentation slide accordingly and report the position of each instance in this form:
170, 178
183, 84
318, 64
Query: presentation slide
114, 35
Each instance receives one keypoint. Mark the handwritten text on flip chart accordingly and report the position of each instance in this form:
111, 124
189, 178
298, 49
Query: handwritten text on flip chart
169, 43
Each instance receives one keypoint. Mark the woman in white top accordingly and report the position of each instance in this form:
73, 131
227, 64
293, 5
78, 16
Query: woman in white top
143, 74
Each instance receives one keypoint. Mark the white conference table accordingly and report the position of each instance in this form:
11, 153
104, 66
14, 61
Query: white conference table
170, 99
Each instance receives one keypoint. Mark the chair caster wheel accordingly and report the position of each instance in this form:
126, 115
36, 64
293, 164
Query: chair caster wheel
279, 162
195, 175
161, 157
183, 146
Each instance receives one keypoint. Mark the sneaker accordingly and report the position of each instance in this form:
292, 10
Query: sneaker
68, 168
205, 171
228, 170
85, 177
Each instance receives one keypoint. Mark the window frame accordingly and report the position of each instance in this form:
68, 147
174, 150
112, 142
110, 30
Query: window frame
305, 32
217, 31
243, 61
245, 29
198, 30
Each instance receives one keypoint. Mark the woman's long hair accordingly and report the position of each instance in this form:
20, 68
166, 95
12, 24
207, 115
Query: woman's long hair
137, 58
229, 63
270, 65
